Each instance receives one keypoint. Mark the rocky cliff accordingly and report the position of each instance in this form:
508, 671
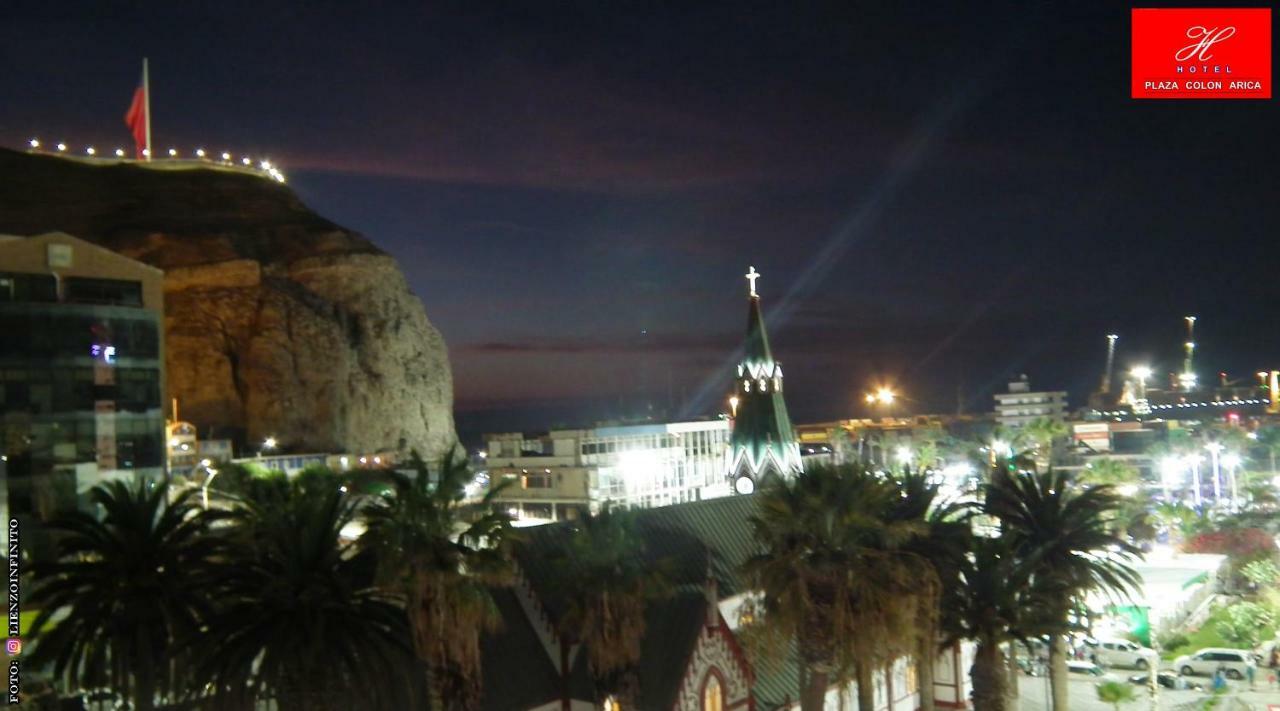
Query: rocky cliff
278, 322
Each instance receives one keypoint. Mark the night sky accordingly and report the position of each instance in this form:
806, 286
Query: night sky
937, 198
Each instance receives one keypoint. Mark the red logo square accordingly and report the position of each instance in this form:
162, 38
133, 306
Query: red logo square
1201, 53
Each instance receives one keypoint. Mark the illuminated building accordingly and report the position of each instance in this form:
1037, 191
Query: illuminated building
566, 472
1021, 405
81, 369
763, 443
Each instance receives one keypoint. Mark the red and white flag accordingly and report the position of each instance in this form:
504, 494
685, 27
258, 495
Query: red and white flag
137, 118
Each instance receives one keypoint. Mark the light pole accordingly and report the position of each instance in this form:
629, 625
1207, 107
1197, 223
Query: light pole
1140, 404
1170, 468
1232, 461
1194, 460
204, 490
1215, 449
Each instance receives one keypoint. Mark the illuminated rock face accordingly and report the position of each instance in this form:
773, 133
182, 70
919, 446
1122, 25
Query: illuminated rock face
278, 322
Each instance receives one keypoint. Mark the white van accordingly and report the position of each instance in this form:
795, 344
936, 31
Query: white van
1235, 662
1124, 653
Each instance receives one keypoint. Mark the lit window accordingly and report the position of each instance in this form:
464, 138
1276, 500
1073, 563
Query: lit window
712, 695
611, 704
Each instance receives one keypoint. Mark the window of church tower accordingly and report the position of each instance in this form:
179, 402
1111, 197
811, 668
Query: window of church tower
746, 386
764, 385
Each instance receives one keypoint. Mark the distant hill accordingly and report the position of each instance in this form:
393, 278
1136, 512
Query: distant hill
278, 322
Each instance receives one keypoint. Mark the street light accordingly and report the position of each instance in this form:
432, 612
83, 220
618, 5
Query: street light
883, 397
733, 405
904, 455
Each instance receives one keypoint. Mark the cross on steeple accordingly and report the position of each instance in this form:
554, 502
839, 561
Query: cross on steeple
752, 275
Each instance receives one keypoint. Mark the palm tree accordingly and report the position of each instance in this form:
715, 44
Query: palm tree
940, 551
986, 600
130, 587
1115, 693
299, 620
1111, 472
833, 576
1173, 517
605, 584
1269, 439
928, 443
1044, 432
1062, 532
439, 555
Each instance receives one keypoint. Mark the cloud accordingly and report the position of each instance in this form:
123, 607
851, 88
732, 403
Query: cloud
654, 343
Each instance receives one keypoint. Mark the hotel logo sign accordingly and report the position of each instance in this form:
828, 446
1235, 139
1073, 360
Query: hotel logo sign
1201, 53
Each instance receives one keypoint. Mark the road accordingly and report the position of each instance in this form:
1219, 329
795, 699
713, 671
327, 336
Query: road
1034, 691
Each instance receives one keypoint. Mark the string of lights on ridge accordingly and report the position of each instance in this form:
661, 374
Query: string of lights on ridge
264, 167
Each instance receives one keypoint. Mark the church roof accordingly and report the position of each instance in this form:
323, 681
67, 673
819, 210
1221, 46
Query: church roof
517, 672
696, 541
756, 347
692, 539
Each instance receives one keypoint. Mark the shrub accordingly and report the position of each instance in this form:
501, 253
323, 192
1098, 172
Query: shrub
1243, 545
1261, 572
1244, 623
1172, 640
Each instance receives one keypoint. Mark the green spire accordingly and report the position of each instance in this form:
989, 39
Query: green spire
763, 442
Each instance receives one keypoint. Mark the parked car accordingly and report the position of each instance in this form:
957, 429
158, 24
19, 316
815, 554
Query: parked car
1234, 662
1167, 679
1079, 666
1124, 653
1032, 667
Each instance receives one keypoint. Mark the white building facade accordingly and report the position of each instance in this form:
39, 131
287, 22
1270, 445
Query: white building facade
565, 472
1021, 405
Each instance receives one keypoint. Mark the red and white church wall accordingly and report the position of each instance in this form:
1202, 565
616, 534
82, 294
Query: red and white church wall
717, 677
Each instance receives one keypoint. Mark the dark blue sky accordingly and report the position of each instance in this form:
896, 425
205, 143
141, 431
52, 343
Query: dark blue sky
937, 196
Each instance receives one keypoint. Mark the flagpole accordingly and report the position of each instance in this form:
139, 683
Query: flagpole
146, 98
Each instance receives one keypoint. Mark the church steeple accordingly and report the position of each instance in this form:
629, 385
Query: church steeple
763, 443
